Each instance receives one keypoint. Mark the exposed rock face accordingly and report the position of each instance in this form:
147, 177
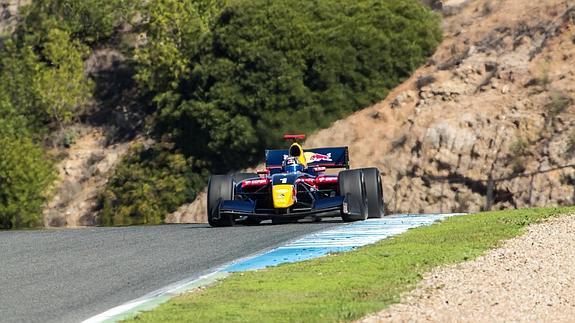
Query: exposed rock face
192, 212
488, 123
91, 160
9, 15
82, 174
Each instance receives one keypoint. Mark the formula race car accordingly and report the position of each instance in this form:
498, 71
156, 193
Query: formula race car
293, 186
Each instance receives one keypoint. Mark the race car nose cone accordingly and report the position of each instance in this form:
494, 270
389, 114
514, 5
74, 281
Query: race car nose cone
283, 196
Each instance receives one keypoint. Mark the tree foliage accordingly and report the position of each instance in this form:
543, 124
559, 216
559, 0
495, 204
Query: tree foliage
90, 21
172, 29
47, 83
149, 184
268, 67
24, 176
61, 87
43, 86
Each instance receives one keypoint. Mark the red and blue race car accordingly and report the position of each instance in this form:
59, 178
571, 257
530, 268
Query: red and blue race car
294, 186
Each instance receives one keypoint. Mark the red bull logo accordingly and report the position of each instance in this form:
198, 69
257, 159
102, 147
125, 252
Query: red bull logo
312, 157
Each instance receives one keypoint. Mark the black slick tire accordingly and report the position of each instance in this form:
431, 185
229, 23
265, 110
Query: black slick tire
352, 182
220, 187
374, 193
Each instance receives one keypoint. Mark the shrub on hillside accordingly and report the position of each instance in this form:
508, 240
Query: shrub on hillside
149, 184
47, 86
24, 177
90, 21
173, 29
43, 86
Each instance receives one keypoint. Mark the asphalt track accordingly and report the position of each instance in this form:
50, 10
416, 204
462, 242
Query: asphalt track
71, 275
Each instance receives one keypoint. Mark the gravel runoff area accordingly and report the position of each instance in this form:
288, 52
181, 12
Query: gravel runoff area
529, 279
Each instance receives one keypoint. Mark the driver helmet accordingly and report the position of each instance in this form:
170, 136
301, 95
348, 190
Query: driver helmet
292, 165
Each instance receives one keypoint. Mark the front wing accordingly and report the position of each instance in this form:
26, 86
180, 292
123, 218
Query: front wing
325, 207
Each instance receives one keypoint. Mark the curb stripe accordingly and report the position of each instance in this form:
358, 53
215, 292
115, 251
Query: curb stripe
340, 239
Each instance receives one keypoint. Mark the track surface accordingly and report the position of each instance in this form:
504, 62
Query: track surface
71, 275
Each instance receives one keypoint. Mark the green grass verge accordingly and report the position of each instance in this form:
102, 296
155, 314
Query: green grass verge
347, 286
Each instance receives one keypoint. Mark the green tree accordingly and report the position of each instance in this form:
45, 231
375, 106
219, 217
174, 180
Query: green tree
60, 85
90, 21
272, 66
25, 174
172, 29
47, 85
18, 67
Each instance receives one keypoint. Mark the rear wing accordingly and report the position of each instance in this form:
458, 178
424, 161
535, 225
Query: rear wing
332, 157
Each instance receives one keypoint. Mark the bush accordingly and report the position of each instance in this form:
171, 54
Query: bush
173, 29
90, 21
47, 86
43, 86
24, 177
518, 148
149, 184
558, 102
571, 143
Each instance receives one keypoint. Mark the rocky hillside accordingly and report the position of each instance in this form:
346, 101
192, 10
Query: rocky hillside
487, 123
82, 174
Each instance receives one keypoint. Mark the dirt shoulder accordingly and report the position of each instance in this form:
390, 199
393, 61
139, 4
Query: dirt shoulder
530, 278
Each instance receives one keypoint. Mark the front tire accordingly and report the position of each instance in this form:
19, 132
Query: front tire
220, 188
352, 183
374, 192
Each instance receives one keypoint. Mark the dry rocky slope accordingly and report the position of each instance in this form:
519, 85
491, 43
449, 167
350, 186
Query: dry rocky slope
533, 275
81, 175
494, 102
92, 158
9, 15
487, 123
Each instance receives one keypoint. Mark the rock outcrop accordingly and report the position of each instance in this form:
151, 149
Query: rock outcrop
9, 15
82, 174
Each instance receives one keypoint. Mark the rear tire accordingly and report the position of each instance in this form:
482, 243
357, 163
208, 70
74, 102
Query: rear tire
374, 193
220, 188
352, 182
